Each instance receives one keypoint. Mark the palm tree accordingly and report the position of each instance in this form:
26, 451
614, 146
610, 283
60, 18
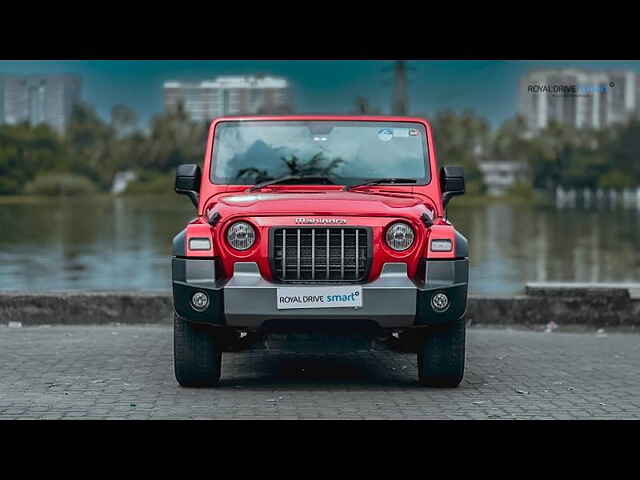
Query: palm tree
295, 167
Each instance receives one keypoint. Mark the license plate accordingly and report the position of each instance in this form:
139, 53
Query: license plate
319, 297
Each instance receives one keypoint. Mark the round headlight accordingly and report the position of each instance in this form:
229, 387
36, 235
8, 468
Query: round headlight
241, 236
400, 236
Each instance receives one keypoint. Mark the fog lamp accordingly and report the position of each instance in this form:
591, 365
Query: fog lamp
439, 302
200, 301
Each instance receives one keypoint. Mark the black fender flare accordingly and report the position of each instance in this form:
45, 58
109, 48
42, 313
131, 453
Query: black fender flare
462, 246
178, 248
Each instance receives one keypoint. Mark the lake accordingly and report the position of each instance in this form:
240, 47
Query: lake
124, 243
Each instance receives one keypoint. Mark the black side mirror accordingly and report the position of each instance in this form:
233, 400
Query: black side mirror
451, 183
188, 181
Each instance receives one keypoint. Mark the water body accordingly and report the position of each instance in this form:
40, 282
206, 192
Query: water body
124, 243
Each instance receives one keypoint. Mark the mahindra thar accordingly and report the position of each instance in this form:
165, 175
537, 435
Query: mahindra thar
320, 224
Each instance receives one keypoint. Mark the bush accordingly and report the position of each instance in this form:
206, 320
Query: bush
152, 183
617, 180
521, 190
65, 184
9, 186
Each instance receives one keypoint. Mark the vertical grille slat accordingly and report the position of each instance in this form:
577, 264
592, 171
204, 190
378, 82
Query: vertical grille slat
342, 253
328, 247
313, 254
300, 254
357, 235
285, 232
284, 254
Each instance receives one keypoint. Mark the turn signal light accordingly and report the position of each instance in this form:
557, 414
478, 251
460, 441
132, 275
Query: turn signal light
441, 245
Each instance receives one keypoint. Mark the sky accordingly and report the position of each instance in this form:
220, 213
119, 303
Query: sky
488, 87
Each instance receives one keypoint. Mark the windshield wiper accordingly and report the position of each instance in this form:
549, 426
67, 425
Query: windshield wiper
287, 178
380, 181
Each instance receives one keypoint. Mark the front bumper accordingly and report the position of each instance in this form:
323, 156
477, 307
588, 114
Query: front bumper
248, 301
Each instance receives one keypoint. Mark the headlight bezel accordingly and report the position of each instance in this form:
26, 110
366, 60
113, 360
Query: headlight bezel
241, 245
409, 233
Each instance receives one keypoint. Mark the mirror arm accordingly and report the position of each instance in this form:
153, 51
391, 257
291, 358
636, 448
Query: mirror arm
445, 199
194, 196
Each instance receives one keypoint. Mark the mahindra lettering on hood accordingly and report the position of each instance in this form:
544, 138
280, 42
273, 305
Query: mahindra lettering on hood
315, 224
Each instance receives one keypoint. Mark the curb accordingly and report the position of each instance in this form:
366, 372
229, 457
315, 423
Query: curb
590, 306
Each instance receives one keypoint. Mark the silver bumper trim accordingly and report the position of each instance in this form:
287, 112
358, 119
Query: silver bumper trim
390, 301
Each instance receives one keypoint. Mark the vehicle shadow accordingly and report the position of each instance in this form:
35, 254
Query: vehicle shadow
308, 371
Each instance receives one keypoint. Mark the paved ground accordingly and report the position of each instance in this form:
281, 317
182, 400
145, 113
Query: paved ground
127, 372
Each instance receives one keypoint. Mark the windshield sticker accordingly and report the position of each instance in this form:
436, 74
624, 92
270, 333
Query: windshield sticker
401, 132
385, 134
413, 132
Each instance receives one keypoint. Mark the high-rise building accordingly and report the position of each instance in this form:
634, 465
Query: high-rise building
229, 95
39, 99
578, 98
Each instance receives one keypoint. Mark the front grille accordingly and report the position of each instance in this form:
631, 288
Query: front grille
313, 254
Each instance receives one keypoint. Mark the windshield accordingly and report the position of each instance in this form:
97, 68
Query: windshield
349, 153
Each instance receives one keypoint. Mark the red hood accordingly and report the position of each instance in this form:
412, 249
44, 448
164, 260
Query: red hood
320, 202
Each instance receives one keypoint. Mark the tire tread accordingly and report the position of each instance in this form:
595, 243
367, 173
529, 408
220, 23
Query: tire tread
441, 356
197, 358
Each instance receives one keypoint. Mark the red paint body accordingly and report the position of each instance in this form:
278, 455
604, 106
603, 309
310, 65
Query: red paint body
280, 205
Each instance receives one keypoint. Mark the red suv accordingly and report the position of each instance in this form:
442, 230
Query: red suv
315, 224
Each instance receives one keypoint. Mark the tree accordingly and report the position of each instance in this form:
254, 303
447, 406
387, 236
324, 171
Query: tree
623, 151
26, 151
511, 142
123, 120
174, 139
90, 143
463, 139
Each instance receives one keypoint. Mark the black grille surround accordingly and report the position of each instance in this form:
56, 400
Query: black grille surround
309, 266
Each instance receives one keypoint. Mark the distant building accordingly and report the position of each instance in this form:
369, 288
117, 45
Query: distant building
500, 176
229, 95
578, 97
39, 99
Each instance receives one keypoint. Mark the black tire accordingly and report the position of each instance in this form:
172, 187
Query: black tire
196, 357
441, 356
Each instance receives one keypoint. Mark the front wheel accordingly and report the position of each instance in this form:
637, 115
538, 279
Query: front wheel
441, 356
196, 356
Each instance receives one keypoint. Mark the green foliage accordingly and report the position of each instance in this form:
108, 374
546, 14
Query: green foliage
60, 184
521, 190
616, 179
25, 151
462, 140
474, 186
95, 150
174, 139
561, 155
123, 120
152, 182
